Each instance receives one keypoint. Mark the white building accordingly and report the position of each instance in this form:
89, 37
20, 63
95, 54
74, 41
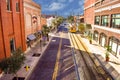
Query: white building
50, 20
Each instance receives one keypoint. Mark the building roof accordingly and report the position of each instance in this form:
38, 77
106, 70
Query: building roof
32, 3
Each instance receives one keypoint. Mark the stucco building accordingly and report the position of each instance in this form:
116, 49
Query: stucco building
12, 35
32, 16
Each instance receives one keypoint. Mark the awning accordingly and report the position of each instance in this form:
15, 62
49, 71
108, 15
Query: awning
40, 32
31, 37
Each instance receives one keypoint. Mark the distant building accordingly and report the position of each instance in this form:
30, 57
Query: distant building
106, 28
50, 20
43, 20
32, 15
12, 35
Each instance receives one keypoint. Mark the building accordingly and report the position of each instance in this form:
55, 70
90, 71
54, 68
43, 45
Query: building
107, 24
32, 15
12, 35
50, 19
89, 11
43, 20
106, 28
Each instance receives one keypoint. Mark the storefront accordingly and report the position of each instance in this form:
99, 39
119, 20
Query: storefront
103, 39
95, 36
114, 43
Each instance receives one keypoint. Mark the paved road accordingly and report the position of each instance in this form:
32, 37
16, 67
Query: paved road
45, 69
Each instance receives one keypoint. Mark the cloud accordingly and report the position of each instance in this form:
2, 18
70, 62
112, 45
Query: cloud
62, 1
55, 6
81, 3
65, 1
70, 0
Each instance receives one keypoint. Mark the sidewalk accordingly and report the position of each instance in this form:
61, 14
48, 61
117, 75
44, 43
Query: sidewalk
113, 66
30, 61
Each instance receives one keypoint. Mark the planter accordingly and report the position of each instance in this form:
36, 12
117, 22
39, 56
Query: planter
90, 41
107, 59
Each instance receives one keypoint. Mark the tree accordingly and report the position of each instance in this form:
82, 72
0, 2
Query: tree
81, 28
45, 31
70, 19
13, 63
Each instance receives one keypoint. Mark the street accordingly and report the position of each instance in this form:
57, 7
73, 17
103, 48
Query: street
59, 50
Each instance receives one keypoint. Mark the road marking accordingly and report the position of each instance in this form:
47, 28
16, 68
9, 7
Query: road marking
57, 61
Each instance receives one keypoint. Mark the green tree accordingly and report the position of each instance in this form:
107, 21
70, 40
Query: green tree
81, 28
45, 31
70, 19
13, 63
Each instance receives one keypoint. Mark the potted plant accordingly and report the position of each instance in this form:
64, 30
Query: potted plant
90, 39
108, 48
107, 56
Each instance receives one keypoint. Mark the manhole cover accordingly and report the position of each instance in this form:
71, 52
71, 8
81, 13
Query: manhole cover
18, 78
36, 54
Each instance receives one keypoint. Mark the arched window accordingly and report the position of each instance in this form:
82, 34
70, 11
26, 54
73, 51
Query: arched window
28, 20
95, 36
38, 20
103, 39
114, 43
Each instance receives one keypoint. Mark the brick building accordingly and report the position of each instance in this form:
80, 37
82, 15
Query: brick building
89, 11
11, 27
32, 15
107, 24
43, 20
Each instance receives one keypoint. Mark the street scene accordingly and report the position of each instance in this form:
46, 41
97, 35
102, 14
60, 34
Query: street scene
60, 40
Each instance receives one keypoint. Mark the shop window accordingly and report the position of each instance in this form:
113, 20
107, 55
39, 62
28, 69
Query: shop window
103, 40
95, 36
116, 21
105, 20
8, 2
97, 20
17, 7
113, 43
12, 45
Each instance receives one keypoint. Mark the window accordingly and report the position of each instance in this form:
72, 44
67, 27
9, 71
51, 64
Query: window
104, 21
103, 39
8, 2
12, 45
97, 20
95, 36
17, 7
113, 43
116, 21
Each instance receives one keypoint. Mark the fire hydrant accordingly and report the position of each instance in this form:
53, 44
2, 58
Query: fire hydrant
27, 67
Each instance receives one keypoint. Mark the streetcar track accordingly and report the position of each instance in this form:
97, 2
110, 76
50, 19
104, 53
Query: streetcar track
94, 71
87, 66
104, 74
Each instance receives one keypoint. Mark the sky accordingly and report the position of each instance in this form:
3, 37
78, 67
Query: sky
61, 7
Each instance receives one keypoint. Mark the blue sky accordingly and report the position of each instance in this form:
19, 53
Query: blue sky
61, 7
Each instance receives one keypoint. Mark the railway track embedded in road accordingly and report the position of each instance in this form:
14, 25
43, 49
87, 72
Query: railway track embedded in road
87, 68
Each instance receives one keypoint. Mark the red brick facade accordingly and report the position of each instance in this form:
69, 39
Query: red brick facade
43, 20
89, 11
106, 22
11, 27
